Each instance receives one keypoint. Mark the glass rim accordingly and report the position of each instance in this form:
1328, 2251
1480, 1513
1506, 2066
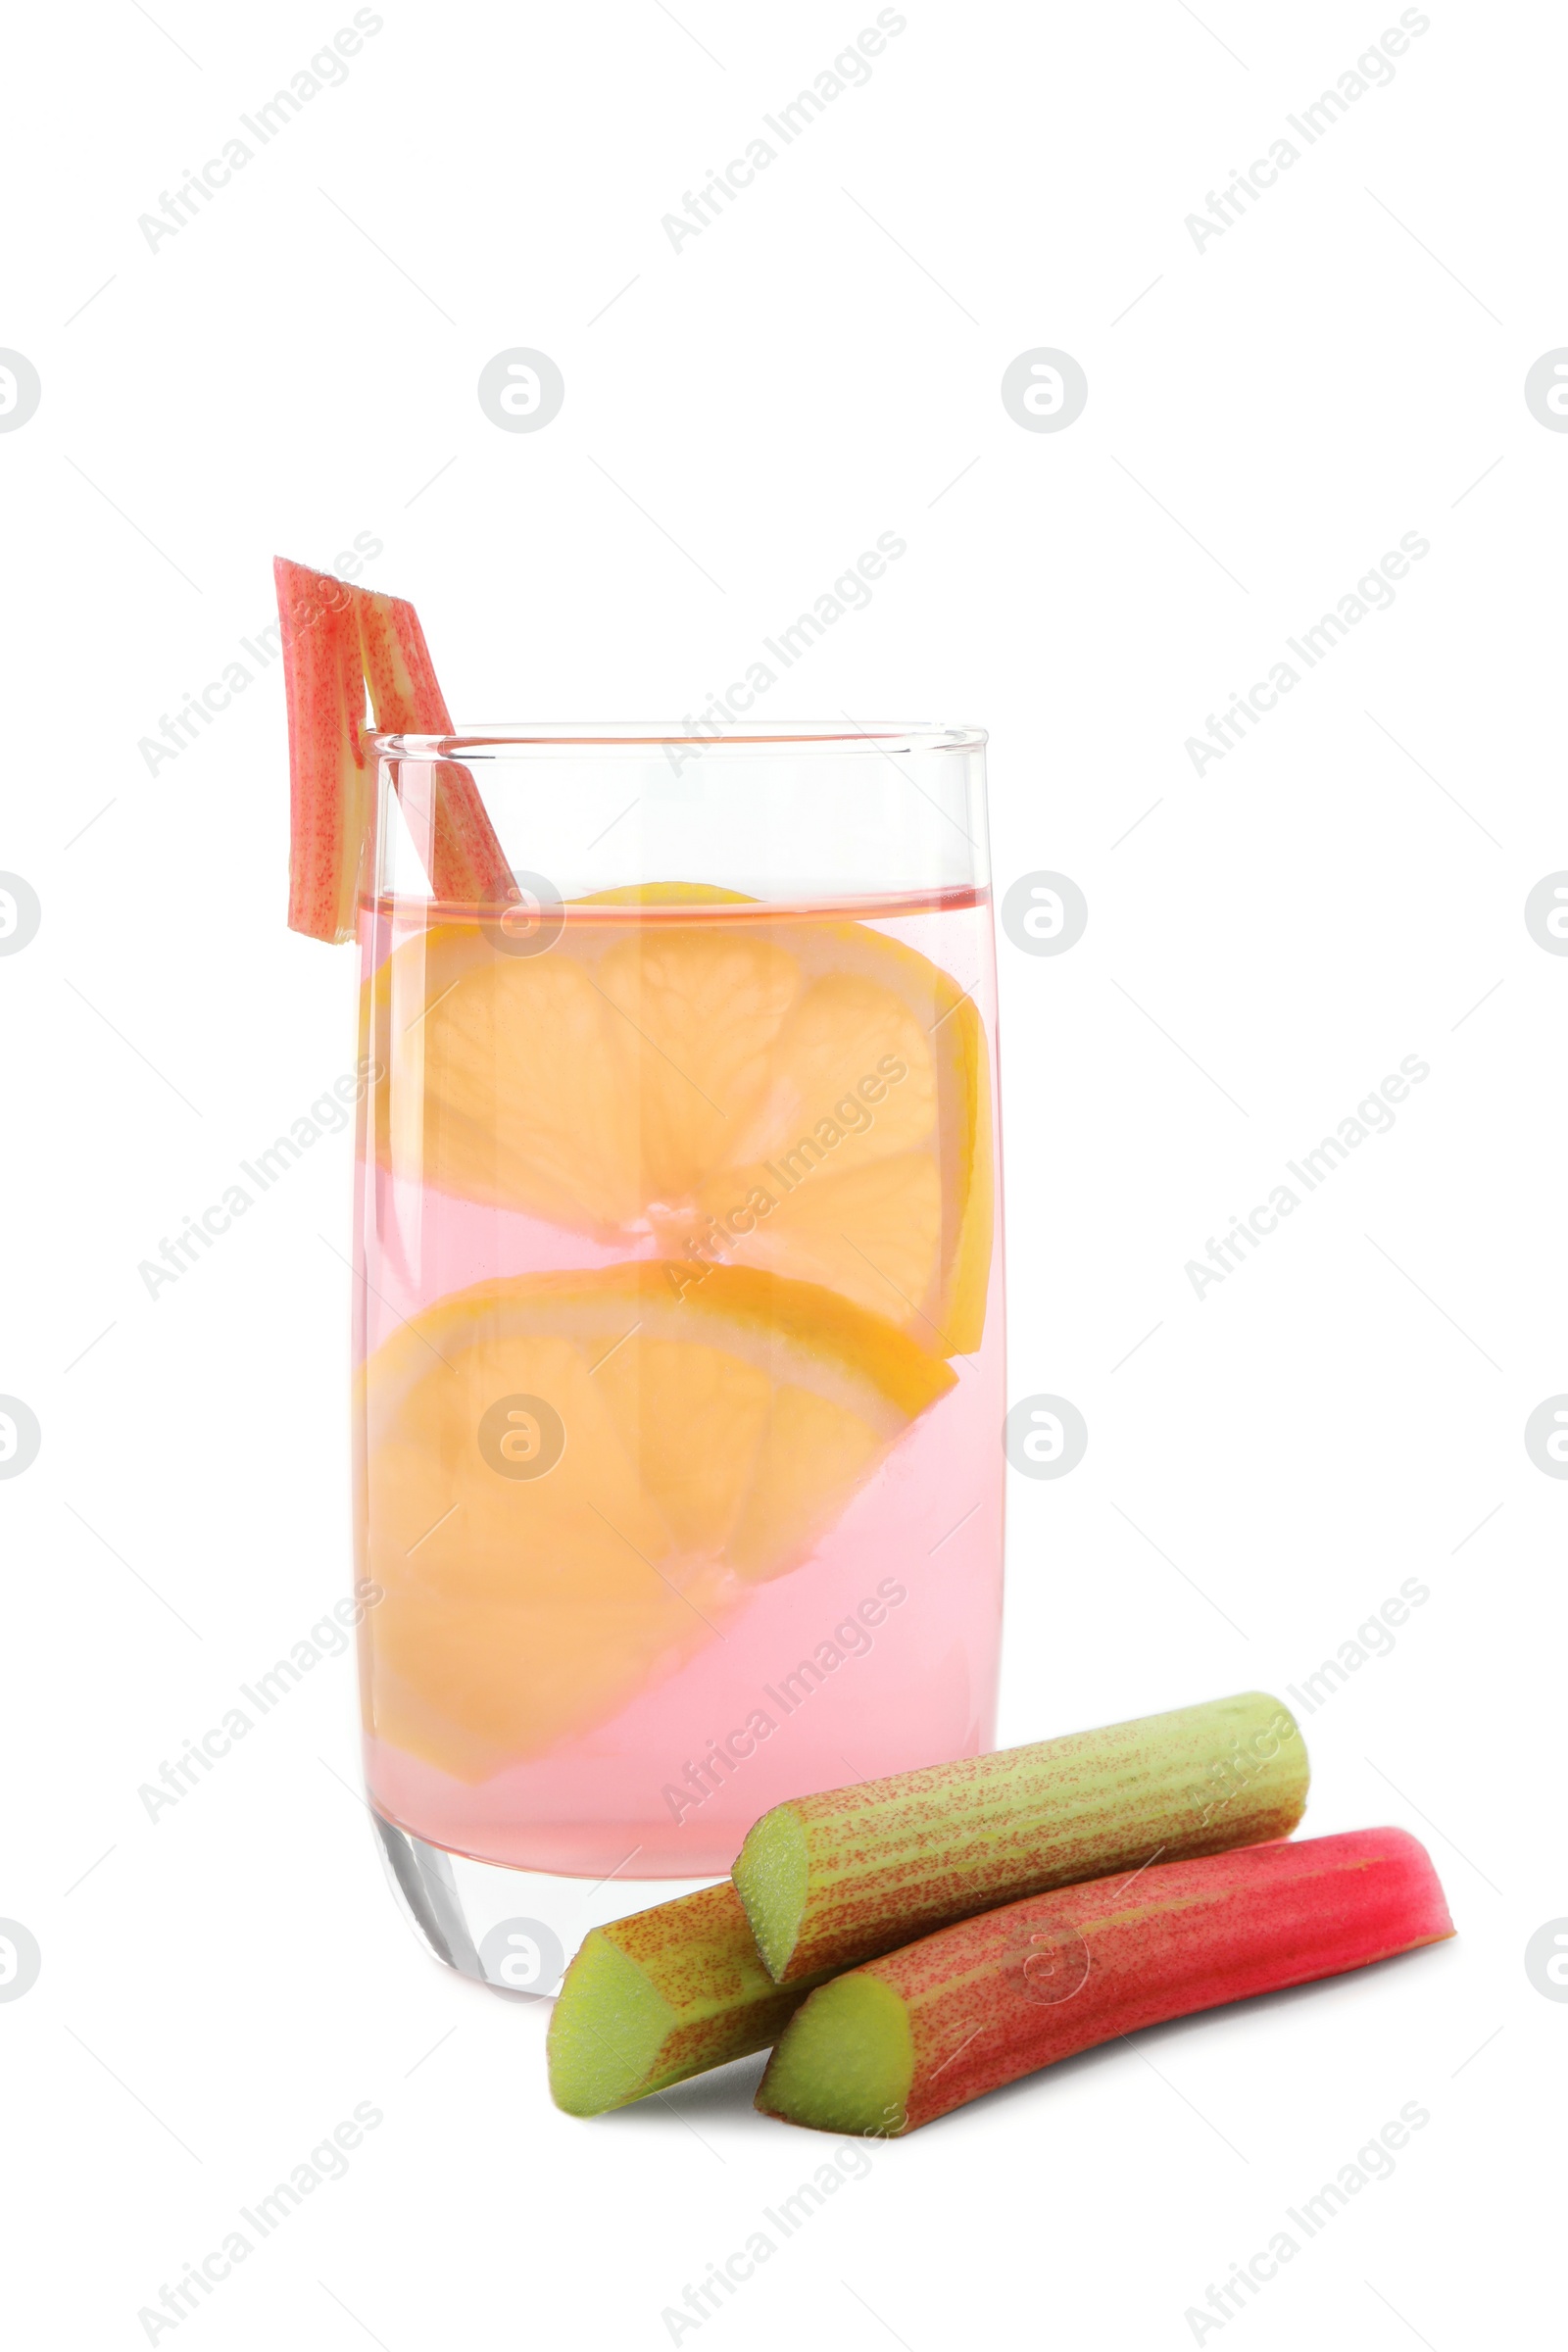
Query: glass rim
889, 737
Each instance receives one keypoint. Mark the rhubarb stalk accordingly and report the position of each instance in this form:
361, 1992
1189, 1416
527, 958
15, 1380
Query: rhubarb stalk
457, 841
835, 1878
659, 1996
913, 2034
329, 773
336, 640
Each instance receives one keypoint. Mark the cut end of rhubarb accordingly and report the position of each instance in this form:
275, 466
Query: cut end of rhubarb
663, 1994
770, 1875
845, 2063
608, 2027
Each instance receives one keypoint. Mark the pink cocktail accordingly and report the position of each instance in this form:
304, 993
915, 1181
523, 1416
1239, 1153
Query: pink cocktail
680, 1386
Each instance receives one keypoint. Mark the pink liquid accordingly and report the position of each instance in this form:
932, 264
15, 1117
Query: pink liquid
874, 1653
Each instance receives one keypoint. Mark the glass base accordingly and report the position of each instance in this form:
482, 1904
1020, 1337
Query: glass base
513, 1930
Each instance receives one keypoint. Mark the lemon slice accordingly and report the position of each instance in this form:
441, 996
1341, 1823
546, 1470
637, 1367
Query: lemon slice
809, 1098
567, 1480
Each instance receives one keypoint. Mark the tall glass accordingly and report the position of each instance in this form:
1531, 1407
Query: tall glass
679, 1316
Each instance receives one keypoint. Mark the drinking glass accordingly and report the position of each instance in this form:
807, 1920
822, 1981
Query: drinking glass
679, 1350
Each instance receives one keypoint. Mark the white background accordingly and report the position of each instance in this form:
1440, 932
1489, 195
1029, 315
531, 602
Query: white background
1265, 418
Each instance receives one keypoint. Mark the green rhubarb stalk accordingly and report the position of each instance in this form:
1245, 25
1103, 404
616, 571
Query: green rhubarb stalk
659, 1997
913, 2034
832, 1879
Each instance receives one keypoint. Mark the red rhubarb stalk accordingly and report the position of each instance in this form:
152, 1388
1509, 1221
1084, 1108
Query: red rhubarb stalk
463, 858
329, 774
336, 639
909, 2037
